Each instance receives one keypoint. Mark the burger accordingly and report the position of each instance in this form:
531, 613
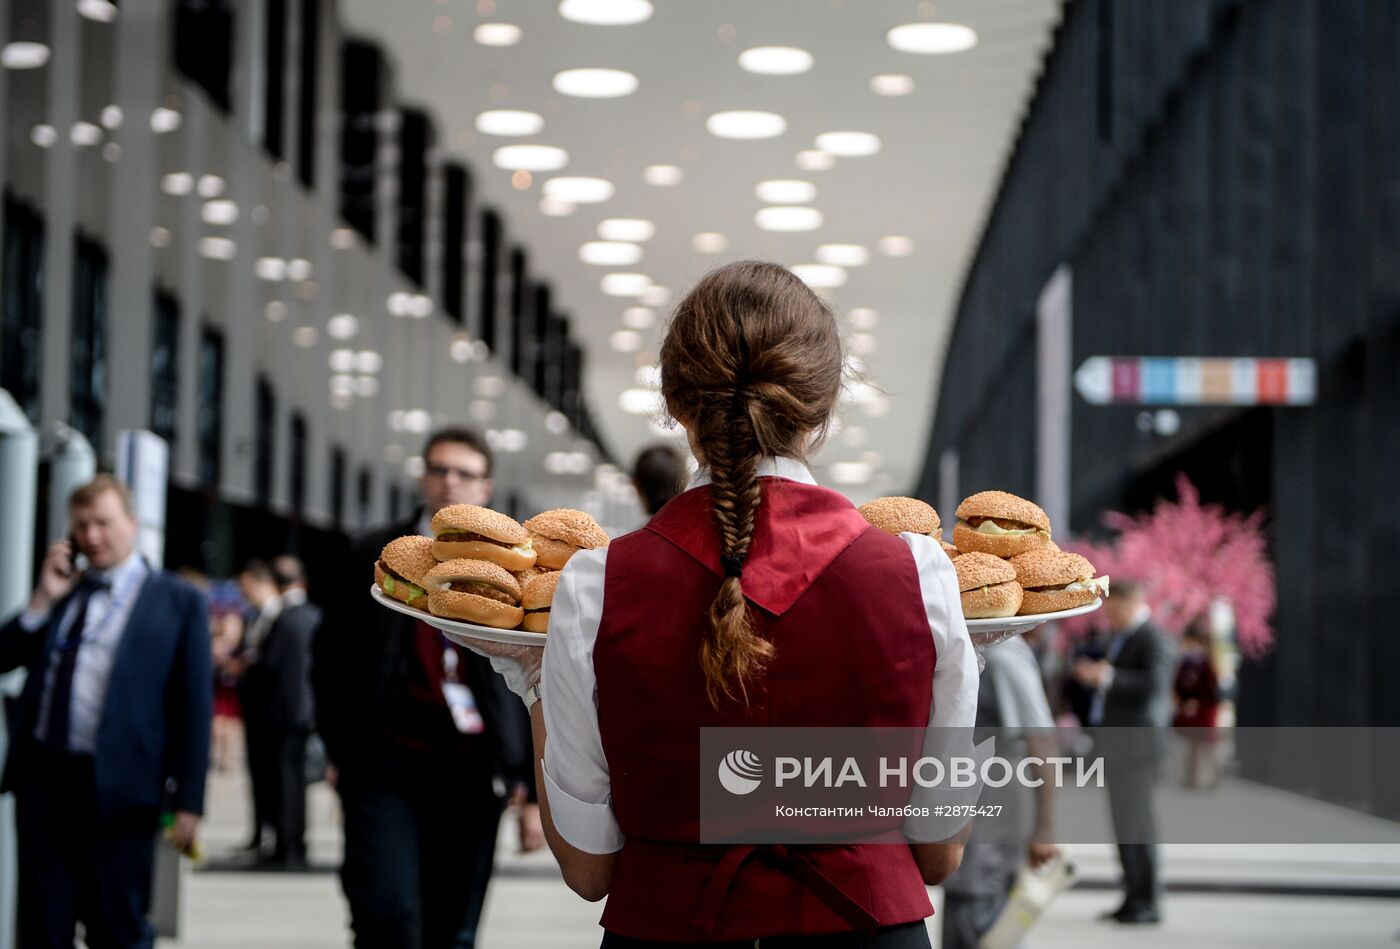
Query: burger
559, 534
401, 567
468, 532
539, 596
949, 549
994, 522
898, 515
988, 586
1056, 580
474, 591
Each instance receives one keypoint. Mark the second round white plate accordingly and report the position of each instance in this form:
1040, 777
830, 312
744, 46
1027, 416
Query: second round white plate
457, 631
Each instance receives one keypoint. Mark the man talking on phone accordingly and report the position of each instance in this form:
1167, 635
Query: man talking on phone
111, 730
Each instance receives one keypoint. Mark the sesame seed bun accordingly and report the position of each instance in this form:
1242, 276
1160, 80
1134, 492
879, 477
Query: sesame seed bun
1034, 602
979, 570
968, 540
539, 591
408, 560
559, 534
536, 622
997, 600
1050, 568
1004, 506
504, 542
897, 515
472, 607
949, 549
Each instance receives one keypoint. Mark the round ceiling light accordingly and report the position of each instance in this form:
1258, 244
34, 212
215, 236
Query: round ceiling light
849, 144
625, 284
785, 192
896, 246
891, 84
626, 229
783, 218
843, 255
932, 38
497, 34
820, 276
709, 242
662, 176
864, 318
578, 190
606, 12
638, 318
609, 253
595, 83
23, 55
530, 158
814, 159
746, 124
626, 341
509, 122
656, 295
775, 60
552, 207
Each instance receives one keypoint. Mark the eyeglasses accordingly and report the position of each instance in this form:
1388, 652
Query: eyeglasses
440, 472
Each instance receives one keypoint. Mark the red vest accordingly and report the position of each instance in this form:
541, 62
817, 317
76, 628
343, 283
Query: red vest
841, 603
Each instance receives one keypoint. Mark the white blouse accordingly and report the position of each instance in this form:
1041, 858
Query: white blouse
575, 770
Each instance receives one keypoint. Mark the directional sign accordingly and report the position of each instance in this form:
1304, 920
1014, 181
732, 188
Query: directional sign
1169, 380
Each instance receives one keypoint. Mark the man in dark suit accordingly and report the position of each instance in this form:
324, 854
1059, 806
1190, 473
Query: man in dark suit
1132, 707
257, 686
284, 662
117, 705
421, 733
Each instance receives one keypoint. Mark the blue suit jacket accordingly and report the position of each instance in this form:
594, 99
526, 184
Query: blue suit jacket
156, 717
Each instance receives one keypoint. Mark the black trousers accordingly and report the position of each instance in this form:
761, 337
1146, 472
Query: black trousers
1130, 788
74, 867
287, 794
418, 858
261, 742
906, 936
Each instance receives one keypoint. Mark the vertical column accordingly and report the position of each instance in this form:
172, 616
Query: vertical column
1053, 371
193, 316
60, 208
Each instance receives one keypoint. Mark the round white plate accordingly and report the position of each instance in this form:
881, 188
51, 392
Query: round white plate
457, 631
987, 632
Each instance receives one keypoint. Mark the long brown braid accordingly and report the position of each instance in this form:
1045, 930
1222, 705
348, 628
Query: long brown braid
752, 364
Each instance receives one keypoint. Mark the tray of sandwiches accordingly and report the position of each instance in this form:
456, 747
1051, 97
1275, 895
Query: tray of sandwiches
482, 575
1012, 576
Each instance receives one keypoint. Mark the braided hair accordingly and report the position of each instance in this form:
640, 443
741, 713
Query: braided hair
751, 365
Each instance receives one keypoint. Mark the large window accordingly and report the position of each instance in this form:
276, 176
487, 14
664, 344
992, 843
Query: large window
307, 96
204, 45
211, 396
490, 276
414, 135
297, 470
264, 439
337, 492
87, 374
165, 366
364, 487
456, 201
274, 76
22, 312
359, 135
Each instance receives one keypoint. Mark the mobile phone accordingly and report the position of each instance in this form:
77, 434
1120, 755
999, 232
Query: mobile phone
74, 558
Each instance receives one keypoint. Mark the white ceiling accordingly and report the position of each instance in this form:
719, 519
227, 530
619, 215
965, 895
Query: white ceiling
944, 148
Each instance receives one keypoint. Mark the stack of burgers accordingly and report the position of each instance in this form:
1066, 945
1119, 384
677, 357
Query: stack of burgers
483, 567
1006, 562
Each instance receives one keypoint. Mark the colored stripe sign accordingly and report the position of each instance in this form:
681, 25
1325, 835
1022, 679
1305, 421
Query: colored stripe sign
1168, 380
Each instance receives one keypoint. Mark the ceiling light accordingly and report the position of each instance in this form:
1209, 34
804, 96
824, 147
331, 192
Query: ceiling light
271, 268
417, 421
99, 11
481, 410
788, 219
22, 55
625, 341
891, 84
399, 304
343, 238
341, 400
84, 133
609, 253
625, 284
342, 384
556, 423
414, 466
595, 83
298, 268
896, 246
813, 159
276, 311
551, 207
638, 318
210, 186
164, 120
342, 326
178, 183
640, 401
746, 124
626, 229
775, 60
649, 376
420, 306
662, 176
709, 242
530, 158
341, 360
863, 318
851, 472
489, 387
932, 38
460, 349
656, 295
848, 144
606, 12
43, 135
496, 34
111, 116
820, 276
160, 236
864, 344
304, 336
843, 255
368, 362
509, 122
221, 211
510, 440
785, 192
218, 248
111, 151
578, 190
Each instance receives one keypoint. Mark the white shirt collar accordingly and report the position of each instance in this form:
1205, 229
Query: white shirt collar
293, 597
789, 468
119, 574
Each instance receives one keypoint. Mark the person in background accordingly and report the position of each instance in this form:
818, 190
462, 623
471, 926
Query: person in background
255, 693
115, 712
659, 474
1197, 692
418, 781
1132, 688
226, 632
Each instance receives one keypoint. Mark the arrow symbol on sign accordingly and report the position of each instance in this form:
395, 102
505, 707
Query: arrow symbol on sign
1094, 380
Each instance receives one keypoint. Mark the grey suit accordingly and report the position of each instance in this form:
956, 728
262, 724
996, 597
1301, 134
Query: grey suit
1138, 699
286, 660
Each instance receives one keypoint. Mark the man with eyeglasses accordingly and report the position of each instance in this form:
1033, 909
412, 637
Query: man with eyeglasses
427, 744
